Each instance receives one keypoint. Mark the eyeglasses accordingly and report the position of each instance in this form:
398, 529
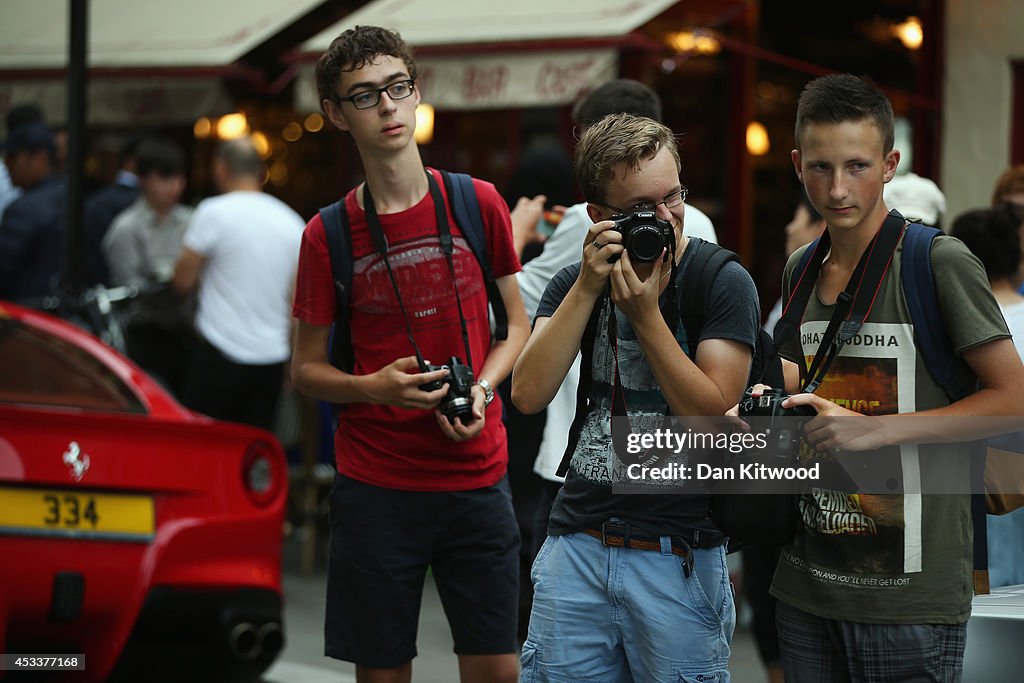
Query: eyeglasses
371, 98
671, 201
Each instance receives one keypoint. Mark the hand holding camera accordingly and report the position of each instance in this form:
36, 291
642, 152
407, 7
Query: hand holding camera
784, 427
458, 402
644, 235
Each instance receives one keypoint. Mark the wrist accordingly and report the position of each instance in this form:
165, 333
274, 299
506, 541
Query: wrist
586, 291
366, 387
487, 390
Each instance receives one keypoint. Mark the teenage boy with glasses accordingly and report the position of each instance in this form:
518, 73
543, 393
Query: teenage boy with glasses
632, 586
413, 491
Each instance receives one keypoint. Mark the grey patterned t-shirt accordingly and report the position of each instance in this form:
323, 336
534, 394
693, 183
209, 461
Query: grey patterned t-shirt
586, 499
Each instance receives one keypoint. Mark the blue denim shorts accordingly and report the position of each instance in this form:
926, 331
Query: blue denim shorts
603, 614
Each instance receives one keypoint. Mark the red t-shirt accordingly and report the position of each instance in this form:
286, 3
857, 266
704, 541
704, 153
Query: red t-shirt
402, 448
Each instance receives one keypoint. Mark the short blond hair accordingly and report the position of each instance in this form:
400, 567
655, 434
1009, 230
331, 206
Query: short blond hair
618, 139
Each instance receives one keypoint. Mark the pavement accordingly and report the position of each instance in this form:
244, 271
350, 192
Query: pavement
302, 660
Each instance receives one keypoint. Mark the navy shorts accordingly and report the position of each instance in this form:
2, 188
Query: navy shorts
383, 541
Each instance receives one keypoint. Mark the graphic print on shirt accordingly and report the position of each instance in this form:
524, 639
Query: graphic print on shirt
595, 459
868, 533
424, 283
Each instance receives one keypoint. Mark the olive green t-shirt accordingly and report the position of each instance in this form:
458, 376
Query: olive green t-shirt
904, 558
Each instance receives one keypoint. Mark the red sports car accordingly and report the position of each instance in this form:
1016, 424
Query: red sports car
132, 531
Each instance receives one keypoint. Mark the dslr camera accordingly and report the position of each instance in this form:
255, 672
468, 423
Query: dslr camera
783, 434
644, 235
458, 402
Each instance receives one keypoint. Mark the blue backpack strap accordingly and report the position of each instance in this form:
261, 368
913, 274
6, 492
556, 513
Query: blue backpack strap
466, 207
923, 302
931, 339
339, 245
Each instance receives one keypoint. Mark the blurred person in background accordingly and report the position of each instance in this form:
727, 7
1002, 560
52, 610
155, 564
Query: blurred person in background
993, 235
16, 116
1009, 186
103, 206
916, 198
542, 179
140, 249
240, 252
805, 227
32, 228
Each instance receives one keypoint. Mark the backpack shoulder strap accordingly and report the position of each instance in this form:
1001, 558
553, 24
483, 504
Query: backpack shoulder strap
699, 277
339, 245
930, 336
923, 303
795, 278
466, 207
695, 289
583, 406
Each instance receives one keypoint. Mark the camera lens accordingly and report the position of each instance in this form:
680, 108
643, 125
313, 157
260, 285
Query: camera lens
458, 406
645, 243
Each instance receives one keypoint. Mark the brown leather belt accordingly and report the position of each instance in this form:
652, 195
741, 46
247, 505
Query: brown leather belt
621, 535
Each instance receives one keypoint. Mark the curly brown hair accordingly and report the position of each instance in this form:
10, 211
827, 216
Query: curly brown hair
354, 49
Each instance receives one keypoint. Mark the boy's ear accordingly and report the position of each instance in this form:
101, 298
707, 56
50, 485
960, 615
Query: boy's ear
892, 162
595, 213
795, 156
333, 111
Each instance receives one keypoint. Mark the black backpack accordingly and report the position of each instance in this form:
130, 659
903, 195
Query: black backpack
463, 201
770, 519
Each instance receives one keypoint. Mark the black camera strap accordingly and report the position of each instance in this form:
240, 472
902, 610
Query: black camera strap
621, 428
380, 244
853, 304
620, 439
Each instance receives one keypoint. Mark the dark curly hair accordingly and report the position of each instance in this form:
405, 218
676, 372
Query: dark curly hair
355, 48
993, 235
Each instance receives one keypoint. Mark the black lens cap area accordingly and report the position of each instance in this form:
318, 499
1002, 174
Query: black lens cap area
645, 243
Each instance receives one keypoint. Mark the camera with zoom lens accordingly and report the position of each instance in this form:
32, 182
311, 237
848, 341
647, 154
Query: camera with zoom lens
458, 402
644, 235
783, 434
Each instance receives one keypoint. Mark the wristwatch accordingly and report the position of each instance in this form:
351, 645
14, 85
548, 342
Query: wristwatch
488, 391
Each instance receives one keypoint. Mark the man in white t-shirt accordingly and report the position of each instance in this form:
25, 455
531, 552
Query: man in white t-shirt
241, 250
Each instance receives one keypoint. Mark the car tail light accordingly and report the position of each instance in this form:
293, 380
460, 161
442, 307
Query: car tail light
262, 473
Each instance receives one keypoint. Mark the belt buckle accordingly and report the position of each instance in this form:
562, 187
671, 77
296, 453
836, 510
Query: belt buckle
619, 529
604, 534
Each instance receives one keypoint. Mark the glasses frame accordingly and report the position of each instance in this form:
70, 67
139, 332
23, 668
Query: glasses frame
669, 202
411, 82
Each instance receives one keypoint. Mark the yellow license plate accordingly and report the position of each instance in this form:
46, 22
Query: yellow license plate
76, 514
